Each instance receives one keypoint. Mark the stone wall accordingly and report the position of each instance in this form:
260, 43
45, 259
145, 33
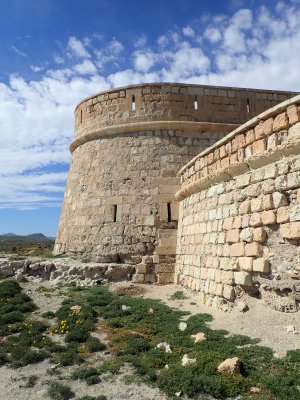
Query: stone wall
239, 217
119, 201
129, 144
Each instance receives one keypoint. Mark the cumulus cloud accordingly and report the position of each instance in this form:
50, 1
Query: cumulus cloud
188, 31
258, 47
77, 48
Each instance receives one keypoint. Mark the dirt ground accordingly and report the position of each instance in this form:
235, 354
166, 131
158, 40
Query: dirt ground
259, 322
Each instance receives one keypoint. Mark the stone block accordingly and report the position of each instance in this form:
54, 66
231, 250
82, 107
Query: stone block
237, 249
259, 235
270, 171
279, 200
268, 217
293, 180
250, 136
219, 289
294, 133
242, 181
246, 235
155, 259
256, 204
138, 278
255, 219
228, 293
243, 278
283, 215
295, 213
261, 265
253, 249
164, 278
259, 146
293, 114
150, 278
165, 268
290, 230
268, 126
233, 236
227, 223
142, 269
280, 122
227, 277
245, 207
245, 263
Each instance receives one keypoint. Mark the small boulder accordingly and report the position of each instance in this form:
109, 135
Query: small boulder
164, 346
199, 337
241, 306
19, 277
231, 366
182, 326
187, 361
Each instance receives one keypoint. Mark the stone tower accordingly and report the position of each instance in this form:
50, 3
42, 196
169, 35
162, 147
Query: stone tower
129, 145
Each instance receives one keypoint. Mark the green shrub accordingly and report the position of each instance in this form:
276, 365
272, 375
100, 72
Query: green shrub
48, 314
20, 357
78, 334
12, 317
178, 295
58, 391
93, 344
69, 356
136, 345
89, 375
31, 381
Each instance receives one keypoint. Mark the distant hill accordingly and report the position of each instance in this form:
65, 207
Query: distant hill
11, 242
38, 236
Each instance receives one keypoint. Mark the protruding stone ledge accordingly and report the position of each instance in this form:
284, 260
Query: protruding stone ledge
187, 126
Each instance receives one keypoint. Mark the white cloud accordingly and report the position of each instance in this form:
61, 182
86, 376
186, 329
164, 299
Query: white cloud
144, 60
234, 35
141, 41
77, 48
86, 67
36, 68
188, 31
163, 41
212, 34
18, 51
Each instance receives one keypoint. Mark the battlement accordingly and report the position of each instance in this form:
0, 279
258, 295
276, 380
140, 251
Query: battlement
168, 106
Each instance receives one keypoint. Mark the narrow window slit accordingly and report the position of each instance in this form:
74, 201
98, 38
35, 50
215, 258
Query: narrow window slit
169, 212
115, 213
81, 116
248, 105
196, 103
133, 103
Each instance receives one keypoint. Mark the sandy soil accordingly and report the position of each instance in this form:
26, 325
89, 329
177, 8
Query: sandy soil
259, 321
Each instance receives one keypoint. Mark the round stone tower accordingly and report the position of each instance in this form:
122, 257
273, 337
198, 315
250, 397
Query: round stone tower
129, 144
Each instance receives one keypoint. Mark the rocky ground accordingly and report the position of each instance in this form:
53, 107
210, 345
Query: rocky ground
275, 329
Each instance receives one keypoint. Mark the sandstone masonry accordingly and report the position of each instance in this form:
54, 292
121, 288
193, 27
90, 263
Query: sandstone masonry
120, 204
239, 213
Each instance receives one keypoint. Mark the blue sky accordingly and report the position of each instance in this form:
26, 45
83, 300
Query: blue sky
56, 52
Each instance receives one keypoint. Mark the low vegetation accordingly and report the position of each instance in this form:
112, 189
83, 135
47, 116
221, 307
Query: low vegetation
135, 327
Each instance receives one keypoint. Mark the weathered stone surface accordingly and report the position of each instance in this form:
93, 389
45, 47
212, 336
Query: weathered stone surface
231, 366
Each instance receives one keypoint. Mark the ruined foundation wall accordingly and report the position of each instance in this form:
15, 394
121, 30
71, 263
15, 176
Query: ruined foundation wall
239, 216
